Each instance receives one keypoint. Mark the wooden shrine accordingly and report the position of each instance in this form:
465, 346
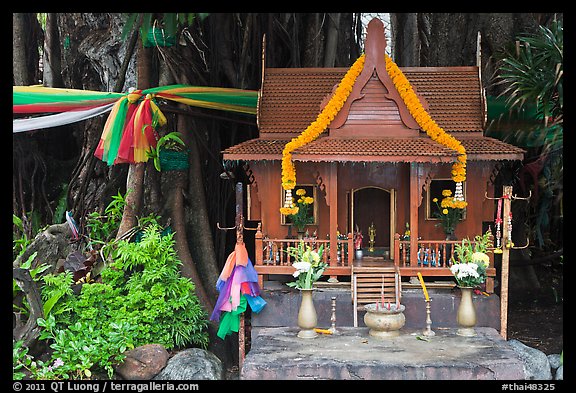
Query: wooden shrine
372, 166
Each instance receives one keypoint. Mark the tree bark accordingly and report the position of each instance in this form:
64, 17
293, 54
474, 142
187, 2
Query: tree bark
198, 223
314, 40
406, 46
51, 60
174, 187
20, 74
332, 38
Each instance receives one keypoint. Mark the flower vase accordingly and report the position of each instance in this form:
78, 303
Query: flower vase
301, 234
307, 318
466, 314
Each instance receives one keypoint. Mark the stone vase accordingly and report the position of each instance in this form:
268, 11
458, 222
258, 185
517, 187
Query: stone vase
384, 323
466, 313
307, 318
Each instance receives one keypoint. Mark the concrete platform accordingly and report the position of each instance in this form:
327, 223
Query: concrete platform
278, 354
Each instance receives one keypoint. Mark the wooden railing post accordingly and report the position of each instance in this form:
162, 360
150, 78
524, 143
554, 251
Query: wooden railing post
259, 250
350, 249
397, 249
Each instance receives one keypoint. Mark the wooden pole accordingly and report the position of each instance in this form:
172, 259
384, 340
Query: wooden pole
506, 244
333, 196
414, 203
239, 240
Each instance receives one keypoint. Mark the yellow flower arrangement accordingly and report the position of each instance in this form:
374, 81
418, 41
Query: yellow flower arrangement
450, 211
300, 217
317, 127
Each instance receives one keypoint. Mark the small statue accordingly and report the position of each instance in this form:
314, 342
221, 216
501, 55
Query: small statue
358, 239
372, 235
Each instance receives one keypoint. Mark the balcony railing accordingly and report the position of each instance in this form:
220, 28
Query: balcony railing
432, 257
272, 254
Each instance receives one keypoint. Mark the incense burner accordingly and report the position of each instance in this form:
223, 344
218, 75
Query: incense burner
384, 322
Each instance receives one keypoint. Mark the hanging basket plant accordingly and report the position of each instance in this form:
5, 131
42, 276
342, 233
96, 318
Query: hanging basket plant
170, 153
173, 160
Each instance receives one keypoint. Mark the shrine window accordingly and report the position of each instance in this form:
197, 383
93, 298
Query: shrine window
310, 191
435, 191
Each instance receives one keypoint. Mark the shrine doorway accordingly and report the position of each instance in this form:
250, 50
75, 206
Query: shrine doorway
374, 206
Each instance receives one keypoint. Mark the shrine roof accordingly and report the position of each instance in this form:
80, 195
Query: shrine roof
291, 97
420, 149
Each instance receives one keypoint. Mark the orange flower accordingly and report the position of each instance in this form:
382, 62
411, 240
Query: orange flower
424, 120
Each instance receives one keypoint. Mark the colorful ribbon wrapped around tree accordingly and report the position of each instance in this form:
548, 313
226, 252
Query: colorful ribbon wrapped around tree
130, 130
238, 288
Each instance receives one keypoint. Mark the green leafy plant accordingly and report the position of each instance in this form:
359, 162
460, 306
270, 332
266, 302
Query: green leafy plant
171, 141
19, 238
156, 295
103, 227
60, 210
57, 287
142, 298
81, 346
169, 21
21, 360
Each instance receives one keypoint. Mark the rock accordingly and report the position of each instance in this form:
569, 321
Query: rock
52, 245
554, 360
192, 364
143, 362
559, 376
536, 364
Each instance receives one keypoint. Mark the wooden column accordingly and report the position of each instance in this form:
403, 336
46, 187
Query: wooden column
414, 203
333, 201
506, 243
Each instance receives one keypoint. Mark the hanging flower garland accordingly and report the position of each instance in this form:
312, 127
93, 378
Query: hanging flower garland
314, 130
434, 131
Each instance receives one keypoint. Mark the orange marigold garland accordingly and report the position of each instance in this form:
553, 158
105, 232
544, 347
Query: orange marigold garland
317, 127
314, 130
434, 131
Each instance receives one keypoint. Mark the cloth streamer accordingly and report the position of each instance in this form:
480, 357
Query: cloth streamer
238, 288
129, 132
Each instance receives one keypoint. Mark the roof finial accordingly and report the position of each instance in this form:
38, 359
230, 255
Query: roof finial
375, 45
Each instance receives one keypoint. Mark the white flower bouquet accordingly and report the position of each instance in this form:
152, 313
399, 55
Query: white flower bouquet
469, 269
308, 264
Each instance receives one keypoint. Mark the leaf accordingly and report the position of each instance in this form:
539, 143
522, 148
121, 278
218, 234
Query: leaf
51, 302
28, 263
421, 338
17, 221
